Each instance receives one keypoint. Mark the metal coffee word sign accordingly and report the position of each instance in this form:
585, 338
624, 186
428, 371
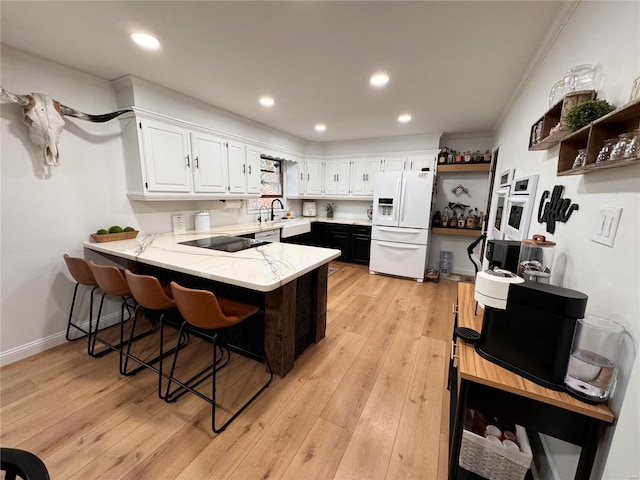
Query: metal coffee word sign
555, 209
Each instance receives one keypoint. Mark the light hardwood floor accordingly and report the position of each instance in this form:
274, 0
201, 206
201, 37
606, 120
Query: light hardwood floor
369, 401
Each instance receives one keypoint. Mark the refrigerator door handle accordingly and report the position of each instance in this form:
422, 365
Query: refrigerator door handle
402, 199
396, 230
400, 246
399, 198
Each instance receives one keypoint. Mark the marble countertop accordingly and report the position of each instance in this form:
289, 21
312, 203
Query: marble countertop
264, 268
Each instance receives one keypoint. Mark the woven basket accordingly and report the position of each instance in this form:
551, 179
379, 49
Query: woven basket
493, 460
112, 237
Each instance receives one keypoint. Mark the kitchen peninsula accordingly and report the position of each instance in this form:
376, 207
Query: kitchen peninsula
288, 282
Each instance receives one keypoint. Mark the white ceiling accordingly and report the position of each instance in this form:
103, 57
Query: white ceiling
454, 65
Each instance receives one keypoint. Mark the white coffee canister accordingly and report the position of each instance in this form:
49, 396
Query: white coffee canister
202, 221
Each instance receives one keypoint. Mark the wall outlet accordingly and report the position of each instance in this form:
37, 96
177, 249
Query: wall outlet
179, 224
607, 225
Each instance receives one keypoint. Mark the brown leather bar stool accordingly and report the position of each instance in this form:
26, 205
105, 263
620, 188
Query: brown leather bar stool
82, 274
207, 316
112, 282
152, 299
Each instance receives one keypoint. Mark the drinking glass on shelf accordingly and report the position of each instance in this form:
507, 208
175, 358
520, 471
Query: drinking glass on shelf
605, 152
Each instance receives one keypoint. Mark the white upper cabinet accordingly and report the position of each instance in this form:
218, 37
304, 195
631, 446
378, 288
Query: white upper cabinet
417, 162
336, 177
314, 177
167, 157
363, 171
236, 156
253, 170
394, 164
295, 178
209, 164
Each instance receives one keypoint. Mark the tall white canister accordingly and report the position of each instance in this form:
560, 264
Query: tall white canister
202, 221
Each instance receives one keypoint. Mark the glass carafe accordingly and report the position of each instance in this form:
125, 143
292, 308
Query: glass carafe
593, 363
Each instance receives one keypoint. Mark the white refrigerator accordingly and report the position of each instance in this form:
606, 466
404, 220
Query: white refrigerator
401, 217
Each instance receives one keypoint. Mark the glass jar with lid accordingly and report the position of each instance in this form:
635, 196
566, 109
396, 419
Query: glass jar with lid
579, 78
632, 145
556, 94
605, 152
620, 148
581, 159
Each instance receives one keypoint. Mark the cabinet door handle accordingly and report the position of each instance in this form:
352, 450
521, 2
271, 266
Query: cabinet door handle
188, 163
307, 177
411, 166
196, 163
455, 308
249, 169
367, 177
364, 177
301, 178
244, 168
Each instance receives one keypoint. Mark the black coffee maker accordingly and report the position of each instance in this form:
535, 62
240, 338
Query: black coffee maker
532, 336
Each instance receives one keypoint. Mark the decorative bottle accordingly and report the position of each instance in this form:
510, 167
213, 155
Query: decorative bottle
461, 220
470, 223
453, 221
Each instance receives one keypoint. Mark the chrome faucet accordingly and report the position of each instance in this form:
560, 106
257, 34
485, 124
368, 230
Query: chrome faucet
281, 206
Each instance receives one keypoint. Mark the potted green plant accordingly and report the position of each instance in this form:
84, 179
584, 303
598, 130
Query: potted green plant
585, 113
329, 208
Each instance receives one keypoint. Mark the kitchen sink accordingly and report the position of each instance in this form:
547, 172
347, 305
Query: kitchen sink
291, 228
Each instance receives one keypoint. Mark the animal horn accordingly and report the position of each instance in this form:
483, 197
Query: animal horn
72, 112
22, 100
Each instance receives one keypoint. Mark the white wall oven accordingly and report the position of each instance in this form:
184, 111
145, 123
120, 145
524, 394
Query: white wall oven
517, 215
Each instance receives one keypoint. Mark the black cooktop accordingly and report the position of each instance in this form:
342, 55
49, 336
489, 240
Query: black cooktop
225, 244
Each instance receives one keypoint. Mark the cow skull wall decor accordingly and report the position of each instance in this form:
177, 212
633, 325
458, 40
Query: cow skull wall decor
43, 115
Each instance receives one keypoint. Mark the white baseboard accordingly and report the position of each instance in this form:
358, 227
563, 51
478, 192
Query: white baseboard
42, 344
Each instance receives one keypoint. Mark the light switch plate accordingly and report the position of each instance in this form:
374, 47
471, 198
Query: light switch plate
607, 225
178, 224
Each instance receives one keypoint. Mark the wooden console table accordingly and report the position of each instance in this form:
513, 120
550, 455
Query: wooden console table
489, 388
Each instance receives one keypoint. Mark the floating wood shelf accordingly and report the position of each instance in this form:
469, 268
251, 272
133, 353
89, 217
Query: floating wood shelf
464, 167
463, 232
554, 116
592, 137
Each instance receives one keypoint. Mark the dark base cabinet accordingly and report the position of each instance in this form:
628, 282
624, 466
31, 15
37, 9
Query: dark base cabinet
354, 241
360, 244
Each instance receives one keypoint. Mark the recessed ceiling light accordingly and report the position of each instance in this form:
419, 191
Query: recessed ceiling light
379, 80
320, 127
267, 101
146, 41
404, 118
